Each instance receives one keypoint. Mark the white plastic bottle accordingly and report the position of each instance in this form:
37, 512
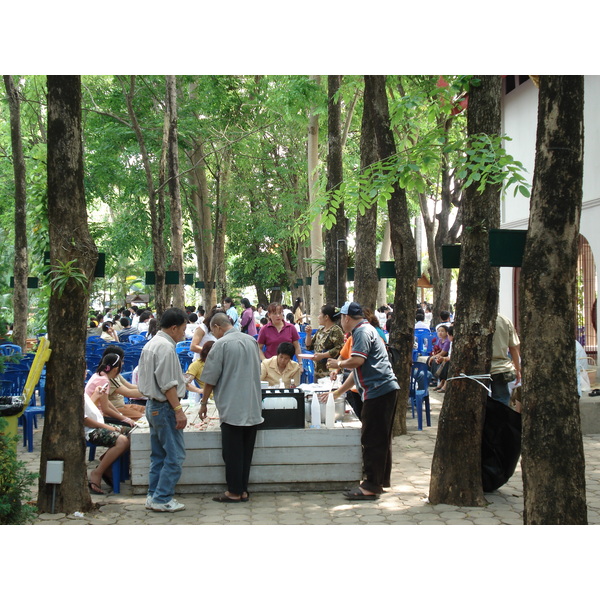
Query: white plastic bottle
281, 384
330, 411
315, 412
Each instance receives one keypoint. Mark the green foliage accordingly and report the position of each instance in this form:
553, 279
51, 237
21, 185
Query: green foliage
15, 483
486, 162
63, 273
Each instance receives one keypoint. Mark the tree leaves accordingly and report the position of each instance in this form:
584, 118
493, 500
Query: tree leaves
486, 162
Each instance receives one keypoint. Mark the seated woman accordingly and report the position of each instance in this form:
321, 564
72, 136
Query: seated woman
281, 367
444, 362
109, 367
194, 371
108, 333
100, 433
440, 348
144, 321
327, 341
203, 333
120, 389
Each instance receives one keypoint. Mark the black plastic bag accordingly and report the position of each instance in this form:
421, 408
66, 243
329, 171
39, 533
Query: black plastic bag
501, 444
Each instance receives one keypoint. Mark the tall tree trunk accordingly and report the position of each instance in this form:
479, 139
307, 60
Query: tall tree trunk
365, 269
384, 255
456, 467
20, 300
316, 233
403, 245
203, 234
553, 460
174, 192
157, 215
336, 248
70, 240
450, 197
221, 224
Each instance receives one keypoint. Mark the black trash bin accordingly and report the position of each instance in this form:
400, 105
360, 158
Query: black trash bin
501, 444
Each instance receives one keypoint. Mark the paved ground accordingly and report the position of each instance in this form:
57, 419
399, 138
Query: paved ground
405, 504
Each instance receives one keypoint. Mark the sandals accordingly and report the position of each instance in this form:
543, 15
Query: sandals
595, 392
226, 498
95, 489
357, 494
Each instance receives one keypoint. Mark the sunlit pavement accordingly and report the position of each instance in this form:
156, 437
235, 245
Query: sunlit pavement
404, 504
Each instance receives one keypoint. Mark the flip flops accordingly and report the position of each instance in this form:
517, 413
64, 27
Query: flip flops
595, 392
95, 489
357, 494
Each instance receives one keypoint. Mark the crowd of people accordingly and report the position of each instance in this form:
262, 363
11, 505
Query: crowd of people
238, 347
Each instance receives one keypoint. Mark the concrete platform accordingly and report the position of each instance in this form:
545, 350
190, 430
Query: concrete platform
284, 459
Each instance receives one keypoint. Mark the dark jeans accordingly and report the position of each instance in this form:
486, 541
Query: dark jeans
376, 440
238, 446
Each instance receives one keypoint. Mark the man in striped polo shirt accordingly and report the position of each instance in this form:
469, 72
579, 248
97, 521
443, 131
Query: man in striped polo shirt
375, 380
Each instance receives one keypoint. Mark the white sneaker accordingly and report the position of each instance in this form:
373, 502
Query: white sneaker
148, 504
171, 506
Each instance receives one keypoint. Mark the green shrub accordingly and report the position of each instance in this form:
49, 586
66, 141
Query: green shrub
15, 483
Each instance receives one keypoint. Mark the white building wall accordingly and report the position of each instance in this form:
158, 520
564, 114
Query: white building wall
519, 122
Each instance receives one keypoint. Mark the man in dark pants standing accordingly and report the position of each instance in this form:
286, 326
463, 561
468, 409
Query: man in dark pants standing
375, 380
232, 370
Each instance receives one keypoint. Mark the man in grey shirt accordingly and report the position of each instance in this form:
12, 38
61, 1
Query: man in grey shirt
232, 370
160, 379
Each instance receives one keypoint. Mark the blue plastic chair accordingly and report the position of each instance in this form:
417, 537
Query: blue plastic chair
424, 339
302, 340
10, 349
137, 339
419, 393
185, 360
308, 371
120, 468
29, 422
183, 346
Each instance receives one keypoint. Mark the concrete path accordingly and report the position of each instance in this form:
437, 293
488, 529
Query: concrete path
405, 503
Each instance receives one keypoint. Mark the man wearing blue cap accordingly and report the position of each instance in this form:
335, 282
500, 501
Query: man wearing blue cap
375, 380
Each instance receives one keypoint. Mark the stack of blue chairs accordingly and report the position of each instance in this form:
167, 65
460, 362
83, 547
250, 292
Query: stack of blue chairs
419, 393
10, 349
12, 383
425, 340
